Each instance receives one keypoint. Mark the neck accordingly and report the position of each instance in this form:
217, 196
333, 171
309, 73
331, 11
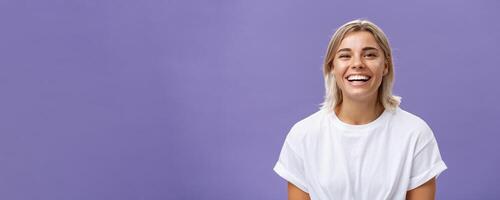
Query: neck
357, 113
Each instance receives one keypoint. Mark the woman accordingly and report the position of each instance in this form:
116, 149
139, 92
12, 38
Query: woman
361, 144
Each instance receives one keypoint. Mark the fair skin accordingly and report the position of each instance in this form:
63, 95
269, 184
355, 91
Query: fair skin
359, 67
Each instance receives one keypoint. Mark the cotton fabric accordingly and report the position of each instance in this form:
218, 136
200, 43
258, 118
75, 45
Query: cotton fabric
333, 160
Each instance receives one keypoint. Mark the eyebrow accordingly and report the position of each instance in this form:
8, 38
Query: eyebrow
364, 49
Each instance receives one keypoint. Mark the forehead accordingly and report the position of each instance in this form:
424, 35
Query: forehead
358, 40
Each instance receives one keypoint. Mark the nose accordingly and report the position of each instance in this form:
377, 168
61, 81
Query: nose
357, 62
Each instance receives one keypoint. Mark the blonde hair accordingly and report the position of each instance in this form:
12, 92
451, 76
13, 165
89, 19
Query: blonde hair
333, 94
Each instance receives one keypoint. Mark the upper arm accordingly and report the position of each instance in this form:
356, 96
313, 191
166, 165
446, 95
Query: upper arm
424, 192
294, 193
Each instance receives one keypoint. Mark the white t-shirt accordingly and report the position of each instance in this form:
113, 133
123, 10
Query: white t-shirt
333, 160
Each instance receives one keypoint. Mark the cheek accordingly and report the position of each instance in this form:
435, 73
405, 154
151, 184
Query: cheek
338, 73
339, 70
380, 73
379, 69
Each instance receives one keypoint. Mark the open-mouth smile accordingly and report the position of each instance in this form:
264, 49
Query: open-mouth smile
358, 79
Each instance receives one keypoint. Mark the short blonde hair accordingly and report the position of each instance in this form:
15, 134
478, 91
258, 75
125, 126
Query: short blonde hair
333, 94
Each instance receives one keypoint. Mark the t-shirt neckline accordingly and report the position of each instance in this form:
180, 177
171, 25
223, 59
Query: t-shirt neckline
370, 125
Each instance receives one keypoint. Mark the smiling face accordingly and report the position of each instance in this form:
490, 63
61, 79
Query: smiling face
358, 66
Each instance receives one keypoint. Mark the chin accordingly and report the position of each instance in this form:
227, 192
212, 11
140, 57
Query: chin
360, 96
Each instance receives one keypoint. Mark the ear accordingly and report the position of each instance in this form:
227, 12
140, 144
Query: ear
386, 69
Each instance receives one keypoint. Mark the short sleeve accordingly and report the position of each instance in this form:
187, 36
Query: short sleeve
427, 162
290, 164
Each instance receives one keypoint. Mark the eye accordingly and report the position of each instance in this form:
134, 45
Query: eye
344, 56
371, 55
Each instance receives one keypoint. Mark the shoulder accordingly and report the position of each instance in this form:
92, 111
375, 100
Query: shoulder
408, 120
410, 123
306, 125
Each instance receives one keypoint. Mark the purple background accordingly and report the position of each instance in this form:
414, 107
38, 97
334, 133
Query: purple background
169, 99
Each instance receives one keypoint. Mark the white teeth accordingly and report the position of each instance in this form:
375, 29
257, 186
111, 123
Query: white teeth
358, 78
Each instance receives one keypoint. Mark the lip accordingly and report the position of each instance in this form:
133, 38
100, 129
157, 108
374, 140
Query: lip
357, 83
